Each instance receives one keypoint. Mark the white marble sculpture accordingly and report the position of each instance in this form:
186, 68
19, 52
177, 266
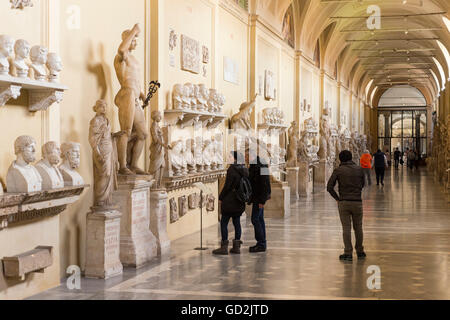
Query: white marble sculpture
189, 156
22, 176
189, 100
294, 138
6, 51
212, 100
21, 4
48, 167
202, 97
241, 120
22, 52
208, 155
54, 65
219, 150
70, 152
176, 158
198, 154
38, 56
220, 102
177, 97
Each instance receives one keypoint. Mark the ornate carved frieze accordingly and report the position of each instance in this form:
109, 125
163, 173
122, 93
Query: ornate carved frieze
175, 183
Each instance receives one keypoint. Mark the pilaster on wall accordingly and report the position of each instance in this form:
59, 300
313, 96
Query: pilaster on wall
298, 64
339, 85
252, 63
321, 91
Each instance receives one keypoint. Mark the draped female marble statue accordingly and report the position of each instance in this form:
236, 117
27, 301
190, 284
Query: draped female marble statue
294, 138
104, 156
157, 150
131, 113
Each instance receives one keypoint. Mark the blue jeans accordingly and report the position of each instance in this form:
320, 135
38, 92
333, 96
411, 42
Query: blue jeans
259, 225
224, 227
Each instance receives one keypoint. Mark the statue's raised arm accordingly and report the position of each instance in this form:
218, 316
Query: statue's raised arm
127, 38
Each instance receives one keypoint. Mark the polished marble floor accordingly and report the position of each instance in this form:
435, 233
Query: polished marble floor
407, 236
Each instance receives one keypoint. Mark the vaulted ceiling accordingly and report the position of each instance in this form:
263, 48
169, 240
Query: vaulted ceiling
405, 50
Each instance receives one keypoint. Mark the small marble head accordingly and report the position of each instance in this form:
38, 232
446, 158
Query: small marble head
38, 55
25, 147
51, 153
70, 152
6, 45
156, 116
134, 42
22, 49
54, 62
100, 107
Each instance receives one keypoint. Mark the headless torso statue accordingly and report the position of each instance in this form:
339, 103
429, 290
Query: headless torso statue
131, 114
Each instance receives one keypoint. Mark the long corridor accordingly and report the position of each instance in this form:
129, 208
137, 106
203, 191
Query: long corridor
407, 235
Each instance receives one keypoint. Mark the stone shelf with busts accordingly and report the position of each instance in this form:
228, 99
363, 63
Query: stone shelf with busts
186, 181
26, 207
42, 94
185, 118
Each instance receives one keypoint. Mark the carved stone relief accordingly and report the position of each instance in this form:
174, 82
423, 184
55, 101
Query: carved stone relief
173, 210
183, 206
190, 54
193, 201
210, 202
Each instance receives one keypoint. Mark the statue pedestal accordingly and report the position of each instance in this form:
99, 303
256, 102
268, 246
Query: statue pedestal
292, 180
158, 220
279, 205
102, 244
322, 174
137, 243
305, 179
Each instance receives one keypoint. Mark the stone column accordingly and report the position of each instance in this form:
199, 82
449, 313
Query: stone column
158, 220
137, 243
102, 244
292, 180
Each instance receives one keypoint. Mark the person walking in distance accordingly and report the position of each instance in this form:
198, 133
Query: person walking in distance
366, 165
261, 191
397, 155
380, 164
232, 207
351, 182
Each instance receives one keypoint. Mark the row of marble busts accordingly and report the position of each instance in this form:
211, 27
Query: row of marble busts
14, 55
197, 97
196, 156
47, 174
273, 116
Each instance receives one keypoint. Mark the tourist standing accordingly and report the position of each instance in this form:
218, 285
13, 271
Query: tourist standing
397, 155
380, 164
351, 182
366, 165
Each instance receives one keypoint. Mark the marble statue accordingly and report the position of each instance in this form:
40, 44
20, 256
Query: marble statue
302, 150
54, 65
48, 167
202, 97
241, 120
332, 146
131, 114
198, 154
294, 138
325, 135
22, 52
173, 211
189, 101
369, 142
208, 155
176, 158
177, 97
6, 51
38, 56
104, 156
193, 201
219, 150
22, 176
189, 156
212, 100
70, 152
210, 202
354, 148
220, 102
157, 150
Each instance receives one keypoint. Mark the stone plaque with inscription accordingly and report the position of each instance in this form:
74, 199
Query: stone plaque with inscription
137, 243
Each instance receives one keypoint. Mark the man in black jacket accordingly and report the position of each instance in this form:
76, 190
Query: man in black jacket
397, 155
260, 181
351, 182
380, 164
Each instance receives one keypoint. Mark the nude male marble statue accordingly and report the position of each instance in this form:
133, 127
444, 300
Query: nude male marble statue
70, 152
48, 167
23, 177
131, 114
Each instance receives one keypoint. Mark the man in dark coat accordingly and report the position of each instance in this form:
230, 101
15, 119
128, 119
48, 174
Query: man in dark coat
380, 163
231, 206
351, 182
397, 155
260, 181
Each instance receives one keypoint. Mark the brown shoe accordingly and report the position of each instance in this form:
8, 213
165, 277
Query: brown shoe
236, 247
223, 250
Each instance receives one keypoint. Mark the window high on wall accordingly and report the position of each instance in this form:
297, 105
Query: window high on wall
402, 96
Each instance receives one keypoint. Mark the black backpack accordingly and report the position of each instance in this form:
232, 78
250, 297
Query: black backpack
244, 190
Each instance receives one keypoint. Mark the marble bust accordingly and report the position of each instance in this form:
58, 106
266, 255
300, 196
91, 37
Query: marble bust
189, 156
177, 97
38, 56
23, 177
70, 152
176, 158
54, 65
6, 51
48, 167
22, 51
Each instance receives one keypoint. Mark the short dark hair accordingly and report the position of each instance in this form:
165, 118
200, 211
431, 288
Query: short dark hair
379, 150
345, 156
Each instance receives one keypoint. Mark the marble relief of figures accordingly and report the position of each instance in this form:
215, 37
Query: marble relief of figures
157, 150
273, 116
104, 156
182, 206
196, 97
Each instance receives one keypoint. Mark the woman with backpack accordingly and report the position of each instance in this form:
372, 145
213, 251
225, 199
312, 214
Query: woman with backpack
232, 202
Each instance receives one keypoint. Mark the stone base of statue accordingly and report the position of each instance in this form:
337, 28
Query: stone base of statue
305, 179
137, 242
102, 244
322, 173
292, 180
158, 220
279, 205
